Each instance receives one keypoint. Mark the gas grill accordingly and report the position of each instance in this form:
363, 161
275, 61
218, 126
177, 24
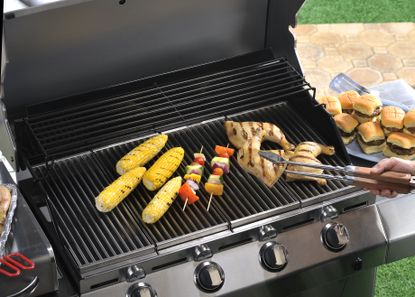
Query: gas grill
255, 240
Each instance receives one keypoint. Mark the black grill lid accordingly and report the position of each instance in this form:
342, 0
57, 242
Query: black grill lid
96, 44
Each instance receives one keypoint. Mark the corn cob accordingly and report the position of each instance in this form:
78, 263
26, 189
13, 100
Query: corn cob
162, 201
141, 154
163, 168
112, 195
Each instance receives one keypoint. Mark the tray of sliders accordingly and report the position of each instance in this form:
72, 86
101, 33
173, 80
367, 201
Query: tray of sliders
370, 130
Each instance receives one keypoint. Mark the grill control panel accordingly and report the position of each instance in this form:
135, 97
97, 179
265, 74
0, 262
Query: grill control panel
209, 277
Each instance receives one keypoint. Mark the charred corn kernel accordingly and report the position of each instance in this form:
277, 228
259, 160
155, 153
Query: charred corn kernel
141, 154
194, 177
162, 201
163, 168
112, 195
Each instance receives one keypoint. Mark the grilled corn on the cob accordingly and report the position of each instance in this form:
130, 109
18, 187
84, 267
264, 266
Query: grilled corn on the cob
141, 154
163, 168
112, 195
162, 201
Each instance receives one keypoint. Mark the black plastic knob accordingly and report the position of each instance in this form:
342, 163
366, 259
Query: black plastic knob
273, 256
335, 236
357, 264
141, 290
209, 277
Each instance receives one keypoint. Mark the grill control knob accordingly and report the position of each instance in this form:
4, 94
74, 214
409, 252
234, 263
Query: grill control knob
141, 290
273, 256
335, 236
209, 277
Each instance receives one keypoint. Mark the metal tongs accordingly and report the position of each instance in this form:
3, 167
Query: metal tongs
399, 182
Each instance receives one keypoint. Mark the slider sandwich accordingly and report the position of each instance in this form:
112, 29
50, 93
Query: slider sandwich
347, 126
371, 137
409, 122
392, 119
400, 145
366, 108
347, 99
331, 104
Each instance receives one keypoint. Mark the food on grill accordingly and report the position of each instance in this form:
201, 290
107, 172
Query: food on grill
162, 201
347, 126
331, 104
163, 168
116, 192
409, 122
141, 154
247, 137
193, 177
347, 99
306, 152
392, 119
371, 137
366, 108
245, 134
221, 162
5, 201
223, 151
400, 145
214, 185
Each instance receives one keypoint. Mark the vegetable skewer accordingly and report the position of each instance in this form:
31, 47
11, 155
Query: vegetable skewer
220, 165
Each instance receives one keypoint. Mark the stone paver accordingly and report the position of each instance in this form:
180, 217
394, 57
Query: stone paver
369, 53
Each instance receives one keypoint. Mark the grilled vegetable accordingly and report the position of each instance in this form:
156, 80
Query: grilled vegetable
112, 195
226, 151
163, 168
214, 189
199, 156
195, 168
194, 185
140, 155
187, 193
219, 162
193, 177
162, 201
218, 171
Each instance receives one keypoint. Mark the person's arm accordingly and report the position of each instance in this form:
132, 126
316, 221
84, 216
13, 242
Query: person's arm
394, 164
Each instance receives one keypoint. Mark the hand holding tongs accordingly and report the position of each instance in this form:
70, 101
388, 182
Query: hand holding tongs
399, 182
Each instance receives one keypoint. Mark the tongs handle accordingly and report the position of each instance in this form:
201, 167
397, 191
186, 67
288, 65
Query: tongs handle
392, 177
373, 184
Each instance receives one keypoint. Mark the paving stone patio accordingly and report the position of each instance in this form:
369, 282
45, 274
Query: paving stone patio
369, 53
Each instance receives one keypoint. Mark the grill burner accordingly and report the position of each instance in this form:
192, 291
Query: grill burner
195, 108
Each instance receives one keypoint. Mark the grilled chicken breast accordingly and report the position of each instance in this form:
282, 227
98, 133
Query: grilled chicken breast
307, 152
239, 133
268, 172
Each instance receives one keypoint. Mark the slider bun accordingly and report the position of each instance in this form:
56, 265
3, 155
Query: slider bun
371, 131
361, 119
392, 117
332, 104
366, 104
371, 149
345, 122
347, 140
402, 140
409, 119
347, 98
388, 153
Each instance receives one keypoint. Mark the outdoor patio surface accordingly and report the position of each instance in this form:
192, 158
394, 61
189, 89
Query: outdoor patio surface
369, 53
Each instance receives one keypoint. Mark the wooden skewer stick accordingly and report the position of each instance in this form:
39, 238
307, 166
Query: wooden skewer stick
210, 201
185, 204
201, 150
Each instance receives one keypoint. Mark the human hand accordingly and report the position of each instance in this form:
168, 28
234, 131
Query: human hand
392, 164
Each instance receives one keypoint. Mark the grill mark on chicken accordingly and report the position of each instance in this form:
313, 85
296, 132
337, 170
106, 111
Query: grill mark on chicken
263, 167
250, 163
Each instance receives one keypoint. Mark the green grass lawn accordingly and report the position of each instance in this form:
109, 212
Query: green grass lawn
357, 11
396, 279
